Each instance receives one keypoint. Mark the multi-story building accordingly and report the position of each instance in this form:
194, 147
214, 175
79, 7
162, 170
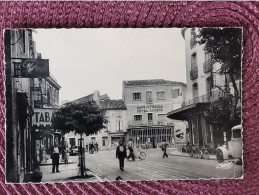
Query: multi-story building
203, 87
23, 141
148, 102
116, 127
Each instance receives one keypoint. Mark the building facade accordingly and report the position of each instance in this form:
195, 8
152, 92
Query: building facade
116, 127
148, 102
203, 87
22, 139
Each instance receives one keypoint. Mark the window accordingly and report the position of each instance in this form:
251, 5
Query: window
137, 96
161, 95
137, 117
176, 93
149, 96
150, 116
193, 61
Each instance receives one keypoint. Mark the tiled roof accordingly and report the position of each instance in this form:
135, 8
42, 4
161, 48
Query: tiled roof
83, 99
113, 104
151, 82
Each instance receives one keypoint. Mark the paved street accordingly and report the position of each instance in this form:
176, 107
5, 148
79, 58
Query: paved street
155, 167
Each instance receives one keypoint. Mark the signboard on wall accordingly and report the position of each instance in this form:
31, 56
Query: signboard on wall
42, 116
150, 108
31, 68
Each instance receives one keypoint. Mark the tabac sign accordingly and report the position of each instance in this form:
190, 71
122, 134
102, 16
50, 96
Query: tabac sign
31, 68
42, 116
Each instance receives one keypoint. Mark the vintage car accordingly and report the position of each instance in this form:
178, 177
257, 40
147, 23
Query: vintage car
74, 150
234, 148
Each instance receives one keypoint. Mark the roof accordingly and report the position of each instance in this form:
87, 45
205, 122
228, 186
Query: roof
113, 105
84, 99
151, 82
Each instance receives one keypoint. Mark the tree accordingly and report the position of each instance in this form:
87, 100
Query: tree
220, 114
225, 46
82, 118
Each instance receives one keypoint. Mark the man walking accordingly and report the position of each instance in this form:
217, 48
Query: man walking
121, 154
130, 147
163, 147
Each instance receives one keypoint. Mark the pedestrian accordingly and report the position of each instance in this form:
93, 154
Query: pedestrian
55, 159
121, 154
96, 147
91, 148
131, 151
163, 147
66, 156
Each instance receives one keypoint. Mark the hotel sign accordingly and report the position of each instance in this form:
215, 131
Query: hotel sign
149, 108
31, 68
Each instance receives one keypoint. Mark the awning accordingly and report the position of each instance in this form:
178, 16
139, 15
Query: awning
182, 113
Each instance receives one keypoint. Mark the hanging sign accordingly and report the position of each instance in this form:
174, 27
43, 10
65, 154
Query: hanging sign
31, 68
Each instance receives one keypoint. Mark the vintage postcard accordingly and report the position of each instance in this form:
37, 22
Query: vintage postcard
93, 105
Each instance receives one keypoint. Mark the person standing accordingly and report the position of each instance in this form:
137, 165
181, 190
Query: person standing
131, 151
121, 154
66, 156
96, 147
163, 147
55, 159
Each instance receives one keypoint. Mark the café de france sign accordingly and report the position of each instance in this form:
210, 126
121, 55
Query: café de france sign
149, 108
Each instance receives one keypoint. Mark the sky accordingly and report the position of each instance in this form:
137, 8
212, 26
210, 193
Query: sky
84, 60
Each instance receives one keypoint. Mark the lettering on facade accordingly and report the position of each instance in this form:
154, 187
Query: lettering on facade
42, 116
149, 108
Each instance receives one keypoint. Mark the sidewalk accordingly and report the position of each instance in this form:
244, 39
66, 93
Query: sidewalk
68, 173
49, 162
175, 152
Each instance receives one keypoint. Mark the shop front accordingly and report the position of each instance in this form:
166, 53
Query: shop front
115, 138
44, 136
151, 135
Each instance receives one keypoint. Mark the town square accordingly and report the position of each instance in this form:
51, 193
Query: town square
166, 106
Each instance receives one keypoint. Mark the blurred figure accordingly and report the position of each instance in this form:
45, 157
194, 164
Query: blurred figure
131, 151
55, 159
96, 147
163, 147
121, 154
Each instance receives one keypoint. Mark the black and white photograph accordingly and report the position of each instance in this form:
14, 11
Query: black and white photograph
123, 104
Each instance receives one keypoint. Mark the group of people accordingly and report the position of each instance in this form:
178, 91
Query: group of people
93, 148
121, 152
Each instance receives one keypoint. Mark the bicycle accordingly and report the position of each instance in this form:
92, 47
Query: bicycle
140, 154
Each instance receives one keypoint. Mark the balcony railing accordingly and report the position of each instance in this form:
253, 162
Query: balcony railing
207, 66
148, 123
194, 73
210, 97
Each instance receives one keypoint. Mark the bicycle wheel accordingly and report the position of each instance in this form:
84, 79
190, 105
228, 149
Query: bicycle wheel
206, 155
198, 154
142, 155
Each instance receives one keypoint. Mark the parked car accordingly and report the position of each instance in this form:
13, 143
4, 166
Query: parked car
233, 148
74, 150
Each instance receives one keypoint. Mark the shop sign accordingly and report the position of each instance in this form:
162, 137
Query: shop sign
42, 116
149, 108
31, 68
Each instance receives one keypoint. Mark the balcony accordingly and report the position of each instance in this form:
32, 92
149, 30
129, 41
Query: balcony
194, 73
207, 98
148, 123
207, 66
